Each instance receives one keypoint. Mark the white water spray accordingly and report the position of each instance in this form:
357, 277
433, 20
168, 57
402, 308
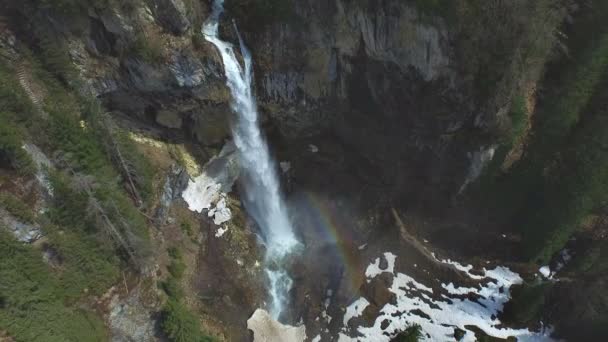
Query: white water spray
263, 198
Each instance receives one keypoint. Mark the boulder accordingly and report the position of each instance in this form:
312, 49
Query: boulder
172, 15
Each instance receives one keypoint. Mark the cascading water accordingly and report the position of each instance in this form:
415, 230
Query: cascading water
263, 199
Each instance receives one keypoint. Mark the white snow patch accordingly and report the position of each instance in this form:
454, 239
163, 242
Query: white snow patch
266, 329
221, 213
466, 269
201, 193
220, 232
545, 271
563, 258
355, 310
458, 290
374, 269
447, 312
316, 339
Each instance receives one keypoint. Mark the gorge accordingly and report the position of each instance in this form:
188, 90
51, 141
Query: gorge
341, 170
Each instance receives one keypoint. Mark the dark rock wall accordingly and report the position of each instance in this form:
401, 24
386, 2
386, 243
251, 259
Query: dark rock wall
389, 82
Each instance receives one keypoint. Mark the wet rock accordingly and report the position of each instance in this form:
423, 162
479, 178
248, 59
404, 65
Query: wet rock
211, 126
187, 70
175, 183
146, 77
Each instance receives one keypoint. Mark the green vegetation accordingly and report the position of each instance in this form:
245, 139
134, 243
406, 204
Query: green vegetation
527, 302
33, 300
54, 55
413, 333
92, 227
11, 152
177, 268
566, 106
172, 288
518, 123
187, 229
174, 253
561, 178
16, 112
501, 43
148, 49
573, 189
15, 103
89, 256
140, 170
178, 323
16, 207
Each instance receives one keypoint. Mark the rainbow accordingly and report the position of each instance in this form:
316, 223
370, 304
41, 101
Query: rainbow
331, 224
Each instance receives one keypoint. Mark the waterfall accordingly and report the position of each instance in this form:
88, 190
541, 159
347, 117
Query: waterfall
263, 199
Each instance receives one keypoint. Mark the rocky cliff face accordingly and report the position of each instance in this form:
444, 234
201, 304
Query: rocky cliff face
388, 82
381, 102
368, 75
392, 84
